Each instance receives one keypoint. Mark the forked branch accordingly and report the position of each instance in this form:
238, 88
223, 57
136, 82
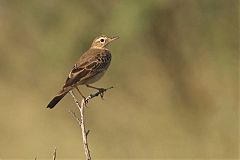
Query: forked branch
81, 120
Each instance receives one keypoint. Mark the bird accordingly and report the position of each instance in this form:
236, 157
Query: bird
89, 68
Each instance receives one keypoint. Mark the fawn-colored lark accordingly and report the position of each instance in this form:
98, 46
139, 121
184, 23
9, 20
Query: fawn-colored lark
89, 68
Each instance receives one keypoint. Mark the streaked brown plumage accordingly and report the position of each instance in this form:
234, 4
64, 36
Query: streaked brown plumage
90, 67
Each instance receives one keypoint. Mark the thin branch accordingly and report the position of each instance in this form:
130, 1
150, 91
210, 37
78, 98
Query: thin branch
100, 92
55, 153
81, 120
82, 125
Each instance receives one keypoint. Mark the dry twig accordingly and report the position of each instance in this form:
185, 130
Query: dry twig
55, 153
81, 120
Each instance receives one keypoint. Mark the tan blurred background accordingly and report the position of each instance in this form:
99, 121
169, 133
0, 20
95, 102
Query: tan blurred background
174, 68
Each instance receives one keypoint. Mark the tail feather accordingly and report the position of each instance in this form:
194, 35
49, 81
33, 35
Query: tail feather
56, 99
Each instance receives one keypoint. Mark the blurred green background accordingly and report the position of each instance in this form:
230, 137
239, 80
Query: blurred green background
174, 68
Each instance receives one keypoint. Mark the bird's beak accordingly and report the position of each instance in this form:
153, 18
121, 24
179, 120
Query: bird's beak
113, 38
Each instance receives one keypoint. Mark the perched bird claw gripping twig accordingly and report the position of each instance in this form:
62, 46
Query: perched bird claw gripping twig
100, 92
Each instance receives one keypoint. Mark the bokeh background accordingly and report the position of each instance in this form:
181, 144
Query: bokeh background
174, 68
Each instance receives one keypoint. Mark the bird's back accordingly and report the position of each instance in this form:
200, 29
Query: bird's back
91, 65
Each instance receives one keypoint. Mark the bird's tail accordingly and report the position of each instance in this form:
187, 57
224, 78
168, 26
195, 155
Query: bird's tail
57, 98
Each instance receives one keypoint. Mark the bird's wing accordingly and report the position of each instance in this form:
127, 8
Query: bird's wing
86, 68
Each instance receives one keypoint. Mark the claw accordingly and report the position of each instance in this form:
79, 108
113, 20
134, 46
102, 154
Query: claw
102, 94
102, 90
86, 100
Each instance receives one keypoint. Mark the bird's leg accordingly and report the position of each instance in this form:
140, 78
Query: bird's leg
81, 94
101, 90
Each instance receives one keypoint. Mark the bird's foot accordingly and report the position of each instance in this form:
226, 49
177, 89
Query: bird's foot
86, 100
101, 92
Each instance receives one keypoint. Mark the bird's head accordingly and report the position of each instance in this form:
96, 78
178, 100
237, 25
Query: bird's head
102, 41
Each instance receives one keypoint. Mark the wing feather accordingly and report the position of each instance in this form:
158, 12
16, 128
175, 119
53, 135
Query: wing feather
89, 65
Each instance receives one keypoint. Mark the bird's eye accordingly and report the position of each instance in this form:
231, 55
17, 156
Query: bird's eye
102, 40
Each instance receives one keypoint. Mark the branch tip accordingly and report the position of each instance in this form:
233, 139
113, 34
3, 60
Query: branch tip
88, 131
